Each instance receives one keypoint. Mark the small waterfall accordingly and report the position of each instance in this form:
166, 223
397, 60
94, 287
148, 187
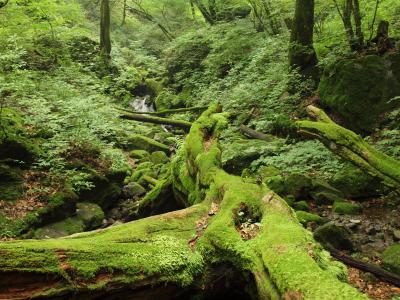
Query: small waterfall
142, 104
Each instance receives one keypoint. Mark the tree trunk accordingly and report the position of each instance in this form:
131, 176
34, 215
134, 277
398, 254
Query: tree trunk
228, 221
351, 147
358, 23
302, 55
105, 20
185, 125
124, 13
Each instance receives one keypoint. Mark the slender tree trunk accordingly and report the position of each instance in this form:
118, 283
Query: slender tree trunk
302, 55
358, 23
124, 14
105, 36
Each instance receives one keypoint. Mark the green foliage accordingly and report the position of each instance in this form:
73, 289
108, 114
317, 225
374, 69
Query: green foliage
303, 157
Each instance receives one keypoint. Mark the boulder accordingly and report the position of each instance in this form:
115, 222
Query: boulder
14, 141
355, 183
349, 88
159, 157
346, 208
133, 189
63, 228
91, 214
141, 155
334, 236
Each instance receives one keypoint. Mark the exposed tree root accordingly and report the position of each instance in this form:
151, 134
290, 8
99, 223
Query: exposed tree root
178, 247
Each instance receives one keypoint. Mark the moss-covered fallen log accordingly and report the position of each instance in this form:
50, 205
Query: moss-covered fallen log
351, 147
166, 111
228, 222
185, 125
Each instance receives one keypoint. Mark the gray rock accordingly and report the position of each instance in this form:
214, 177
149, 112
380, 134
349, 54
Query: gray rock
133, 189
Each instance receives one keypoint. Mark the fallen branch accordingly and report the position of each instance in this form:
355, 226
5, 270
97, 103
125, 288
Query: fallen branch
166, 111
185, 125
358, 264
254, 134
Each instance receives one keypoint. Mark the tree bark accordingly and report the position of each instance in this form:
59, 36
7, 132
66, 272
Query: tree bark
167, 111
105, 36
178, 247
302, 55
185, 125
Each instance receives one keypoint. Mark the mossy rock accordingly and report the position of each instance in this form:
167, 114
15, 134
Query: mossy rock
105, 190
346, 208
59, 206
301, 205
159, 157
11, 180
391, 258
133, 189
14, 142
298, 185
350, 89
63, 228
139, 154
326, 198
306, 217
137, 141
334, 236
91, 214
355, 183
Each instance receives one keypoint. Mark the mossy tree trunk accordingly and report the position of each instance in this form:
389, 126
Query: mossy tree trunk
105, 35
302, 55
180, 248
351, 147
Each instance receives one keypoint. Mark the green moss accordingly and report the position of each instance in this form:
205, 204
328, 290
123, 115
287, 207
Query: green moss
391, 258
301, 205
11, 187
354, 182
335, 236
91, 214
137, 141
346, 208
139, 154
326, 198
155, 247
14, 140
63, 228
305, 217
159, 157
350, 89
167, 100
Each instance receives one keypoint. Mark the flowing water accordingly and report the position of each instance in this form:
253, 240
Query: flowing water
142, 104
